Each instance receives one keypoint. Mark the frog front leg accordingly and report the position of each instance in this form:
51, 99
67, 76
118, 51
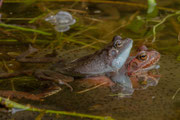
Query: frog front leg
144, 80
122, 82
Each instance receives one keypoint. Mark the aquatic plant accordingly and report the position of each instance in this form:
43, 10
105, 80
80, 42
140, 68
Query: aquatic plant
152, 10
161, 22
13, 107
24, 29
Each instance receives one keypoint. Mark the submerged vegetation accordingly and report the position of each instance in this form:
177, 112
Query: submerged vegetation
96, 23
13, 107
24, 29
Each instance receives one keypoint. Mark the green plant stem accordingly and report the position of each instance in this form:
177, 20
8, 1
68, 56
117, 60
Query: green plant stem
175, 93
36, 18
83, 43
17, 18
14, 40
161, 22
24, 29
97, 1
10, 104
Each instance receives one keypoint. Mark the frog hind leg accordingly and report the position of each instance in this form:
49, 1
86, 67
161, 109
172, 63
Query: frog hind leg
31, 50
91, 81
19, 94
15, 74
53, 76
53, 89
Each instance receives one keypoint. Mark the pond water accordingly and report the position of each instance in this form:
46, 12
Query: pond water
96, 24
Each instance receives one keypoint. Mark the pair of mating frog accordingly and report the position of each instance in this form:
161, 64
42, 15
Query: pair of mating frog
112, 62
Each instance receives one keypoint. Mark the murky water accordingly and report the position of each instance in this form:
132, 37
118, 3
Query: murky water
96, 24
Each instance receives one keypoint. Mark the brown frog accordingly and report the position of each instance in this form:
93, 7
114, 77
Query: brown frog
143, 68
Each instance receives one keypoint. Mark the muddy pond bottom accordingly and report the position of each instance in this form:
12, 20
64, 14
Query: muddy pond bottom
153, 103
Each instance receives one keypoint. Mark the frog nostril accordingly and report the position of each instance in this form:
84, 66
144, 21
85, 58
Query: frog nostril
134, 65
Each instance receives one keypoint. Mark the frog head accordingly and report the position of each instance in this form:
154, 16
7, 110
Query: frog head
119, 51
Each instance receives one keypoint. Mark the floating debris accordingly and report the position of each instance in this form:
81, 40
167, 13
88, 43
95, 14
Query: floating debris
97, 11
62, 21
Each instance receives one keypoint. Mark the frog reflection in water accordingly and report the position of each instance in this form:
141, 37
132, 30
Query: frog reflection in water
135, 74
109, 59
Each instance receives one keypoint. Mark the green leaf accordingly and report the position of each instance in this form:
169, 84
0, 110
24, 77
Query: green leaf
136, 25
178, 18
178, 58
152, 9
151, 6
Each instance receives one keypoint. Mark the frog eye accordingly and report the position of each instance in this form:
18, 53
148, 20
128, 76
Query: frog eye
142, 56
118, 44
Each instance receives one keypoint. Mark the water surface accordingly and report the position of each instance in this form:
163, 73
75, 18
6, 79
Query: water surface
96, 24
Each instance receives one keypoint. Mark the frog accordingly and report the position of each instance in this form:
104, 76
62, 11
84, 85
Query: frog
144, 61
110, 59
141, 67
135, 73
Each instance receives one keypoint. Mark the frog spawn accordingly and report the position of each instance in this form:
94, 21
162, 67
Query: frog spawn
62, 21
